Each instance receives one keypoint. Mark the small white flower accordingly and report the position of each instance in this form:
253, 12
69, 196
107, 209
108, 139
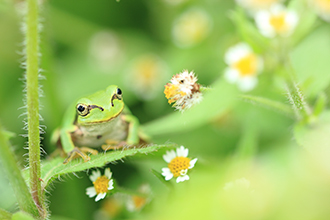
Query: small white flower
277, 21
192, 27
243, 66
322, 8
102, 184
178, 164
183, 91
256, 5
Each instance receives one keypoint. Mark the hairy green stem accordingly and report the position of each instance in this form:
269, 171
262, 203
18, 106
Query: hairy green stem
32, 72
14, 175
268, 103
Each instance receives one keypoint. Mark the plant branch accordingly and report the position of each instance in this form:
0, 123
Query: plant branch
16, 180
32, 72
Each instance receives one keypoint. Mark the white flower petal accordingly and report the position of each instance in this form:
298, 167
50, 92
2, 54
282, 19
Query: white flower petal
247, 83
237, 52
100, 196
166, 172
170, 155
277, 8
95, 174
231, 75
108, 173
110, 184
192, 163
292, 20
182, 178
182, 152
262, 21
90, 191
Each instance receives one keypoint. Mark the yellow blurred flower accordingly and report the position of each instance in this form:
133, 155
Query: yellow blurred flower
106, 51
146, 75
322, 8
192, 27
277, 21
137, 202
243, 66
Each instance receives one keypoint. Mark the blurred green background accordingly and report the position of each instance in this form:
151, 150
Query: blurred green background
88, 45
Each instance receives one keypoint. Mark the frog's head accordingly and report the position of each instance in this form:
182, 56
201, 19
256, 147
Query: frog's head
100, 107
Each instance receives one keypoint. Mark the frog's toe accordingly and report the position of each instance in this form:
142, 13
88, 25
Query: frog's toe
76, 152
89, 150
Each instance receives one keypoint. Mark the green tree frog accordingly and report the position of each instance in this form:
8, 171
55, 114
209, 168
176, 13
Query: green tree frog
100, 119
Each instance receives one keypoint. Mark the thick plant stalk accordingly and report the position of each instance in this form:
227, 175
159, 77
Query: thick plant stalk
16, 180
32, 87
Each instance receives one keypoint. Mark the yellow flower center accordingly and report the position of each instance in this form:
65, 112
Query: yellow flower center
278, 22
101, 184
171, 91
247, 65
179, 165
139, 201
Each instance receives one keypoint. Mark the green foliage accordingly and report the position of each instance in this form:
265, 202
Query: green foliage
22, 216
213, 106
314, 136
53, 168
312, 71
253, 163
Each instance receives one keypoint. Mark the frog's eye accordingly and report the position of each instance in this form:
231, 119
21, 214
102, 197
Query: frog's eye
119, 93
82, 109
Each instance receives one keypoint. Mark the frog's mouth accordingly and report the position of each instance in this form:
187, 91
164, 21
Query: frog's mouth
105, 120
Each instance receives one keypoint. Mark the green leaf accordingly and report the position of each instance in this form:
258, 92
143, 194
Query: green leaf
217, 102
248, 144
5, 215
310, 60
268, 103
320, 104
314, 136
307, 20
22, 216
14, 175
54, 168
248, 31
161, 178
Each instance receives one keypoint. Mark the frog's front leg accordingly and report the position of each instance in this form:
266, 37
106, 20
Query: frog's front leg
71, 149
80, 152
133, 129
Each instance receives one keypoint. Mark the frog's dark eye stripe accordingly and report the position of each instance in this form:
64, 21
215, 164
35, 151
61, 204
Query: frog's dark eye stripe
90, 107
118, 96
